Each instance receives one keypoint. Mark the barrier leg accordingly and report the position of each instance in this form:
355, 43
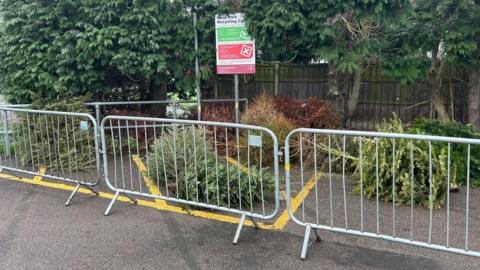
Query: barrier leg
303, 254
131, 199
107, 212
255, 224
75, 191
317, 236
92, 190
115, 197
239, 229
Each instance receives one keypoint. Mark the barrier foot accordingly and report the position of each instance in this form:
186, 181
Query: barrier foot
92, 190
239, 229
255, 224
303, 254
107, 212
317, 236
70, 198
131, 199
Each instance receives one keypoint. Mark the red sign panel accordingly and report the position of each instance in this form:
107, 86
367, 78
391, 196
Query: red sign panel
237, 69
235, 51
235, 48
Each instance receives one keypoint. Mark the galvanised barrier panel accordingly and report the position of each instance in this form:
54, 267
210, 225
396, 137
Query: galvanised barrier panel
57, 145
393, 173
219, 166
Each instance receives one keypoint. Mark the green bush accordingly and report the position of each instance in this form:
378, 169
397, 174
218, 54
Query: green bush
403, 169
458, 152
188, 158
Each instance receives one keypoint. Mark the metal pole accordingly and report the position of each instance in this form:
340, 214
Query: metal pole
237, 106
277, 68
97, 114
197, 69
98, 119
6, 139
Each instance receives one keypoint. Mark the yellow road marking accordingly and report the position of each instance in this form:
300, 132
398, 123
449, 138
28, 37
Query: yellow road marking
39, 178
171, 208
234, 162
279, 224
149, 182
163, 205
283, 219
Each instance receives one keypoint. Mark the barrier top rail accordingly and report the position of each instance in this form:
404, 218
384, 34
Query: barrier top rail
386, 135
161, 102
15, 109
14, 105
19, 109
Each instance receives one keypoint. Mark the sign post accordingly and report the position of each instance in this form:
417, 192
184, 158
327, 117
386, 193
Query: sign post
197, 70
235, 50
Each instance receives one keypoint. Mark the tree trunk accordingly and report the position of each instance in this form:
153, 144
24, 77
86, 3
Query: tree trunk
355, 94
434, 79
334, 93
474, 98
437, 99
158, 91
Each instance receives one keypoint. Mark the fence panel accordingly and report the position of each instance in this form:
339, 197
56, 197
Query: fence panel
380, 96
389, 186
220, 166
61, 146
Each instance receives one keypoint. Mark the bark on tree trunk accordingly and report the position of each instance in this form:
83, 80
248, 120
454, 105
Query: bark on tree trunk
474, 98
353, 99
434, 78
158, 91
334, 94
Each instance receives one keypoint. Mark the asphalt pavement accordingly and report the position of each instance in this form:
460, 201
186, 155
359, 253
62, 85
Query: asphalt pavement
38, 232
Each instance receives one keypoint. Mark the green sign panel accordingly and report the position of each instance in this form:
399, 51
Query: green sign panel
226, 34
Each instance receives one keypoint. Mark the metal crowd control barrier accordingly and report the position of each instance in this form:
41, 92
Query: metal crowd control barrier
56, 145
337, 202
219, 166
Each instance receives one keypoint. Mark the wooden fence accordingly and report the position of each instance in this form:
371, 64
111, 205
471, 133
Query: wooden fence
380, 96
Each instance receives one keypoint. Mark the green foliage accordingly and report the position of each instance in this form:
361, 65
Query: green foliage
446, 25
348, 33
402, 168
458, 152
184, 154
278, 28
119, 49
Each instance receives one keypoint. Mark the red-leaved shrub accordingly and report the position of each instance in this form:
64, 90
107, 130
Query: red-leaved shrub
219, 112
215, 112
313, 113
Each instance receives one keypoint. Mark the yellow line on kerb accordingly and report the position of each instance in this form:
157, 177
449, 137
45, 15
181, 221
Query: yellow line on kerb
149, 182
236, 163
105, 195
295, 203
163, 205
39, 178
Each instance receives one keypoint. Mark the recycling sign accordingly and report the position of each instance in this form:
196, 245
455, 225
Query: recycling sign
235, 48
